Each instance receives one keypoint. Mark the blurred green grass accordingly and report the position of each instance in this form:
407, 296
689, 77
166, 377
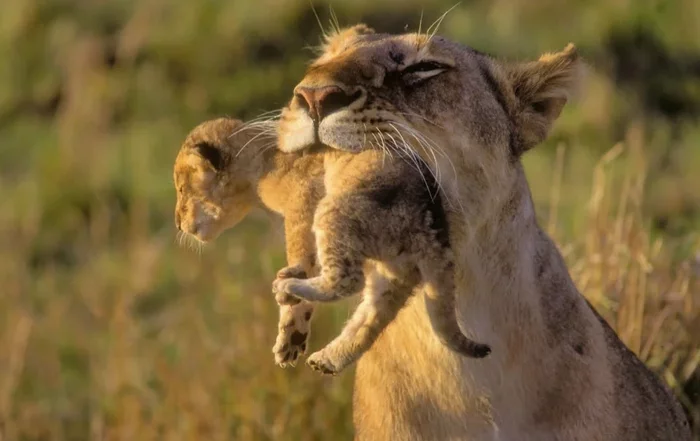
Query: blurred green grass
110, 330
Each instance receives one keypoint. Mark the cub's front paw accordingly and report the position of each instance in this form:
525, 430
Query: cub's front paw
281, 290
320, 362
288, 291
292, 272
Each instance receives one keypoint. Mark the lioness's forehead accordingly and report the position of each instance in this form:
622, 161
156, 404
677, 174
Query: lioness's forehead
409, 47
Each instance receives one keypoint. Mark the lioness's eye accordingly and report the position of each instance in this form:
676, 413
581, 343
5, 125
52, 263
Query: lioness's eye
424, 66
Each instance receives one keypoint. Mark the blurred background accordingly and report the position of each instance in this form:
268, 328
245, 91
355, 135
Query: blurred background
109, 330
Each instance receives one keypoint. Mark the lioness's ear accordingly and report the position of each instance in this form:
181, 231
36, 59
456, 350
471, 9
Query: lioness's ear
542, 88
211, 154
352, 31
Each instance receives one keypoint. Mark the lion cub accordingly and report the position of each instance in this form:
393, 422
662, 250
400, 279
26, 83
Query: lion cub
369, 214
222, 171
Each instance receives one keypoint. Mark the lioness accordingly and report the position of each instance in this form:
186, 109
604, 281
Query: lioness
558, 371
369, 206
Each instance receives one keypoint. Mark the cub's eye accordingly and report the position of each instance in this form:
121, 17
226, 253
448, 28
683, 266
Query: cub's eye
424, 66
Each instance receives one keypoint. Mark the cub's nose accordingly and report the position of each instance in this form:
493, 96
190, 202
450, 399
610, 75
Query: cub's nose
322, 101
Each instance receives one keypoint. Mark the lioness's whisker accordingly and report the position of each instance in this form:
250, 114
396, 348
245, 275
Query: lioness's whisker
415, 115
429, 147
382, 145
416, 157
432, 30
429, 143
415, 160
436, 175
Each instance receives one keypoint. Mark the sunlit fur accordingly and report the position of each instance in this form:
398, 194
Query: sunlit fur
225, 167
380, 217
557, 371
246, 172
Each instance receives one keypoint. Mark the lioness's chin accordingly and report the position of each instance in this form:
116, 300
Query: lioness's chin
295, 142
299, 136
346, 146
341, 140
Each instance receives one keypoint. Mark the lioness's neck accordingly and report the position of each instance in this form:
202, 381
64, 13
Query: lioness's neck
499, 303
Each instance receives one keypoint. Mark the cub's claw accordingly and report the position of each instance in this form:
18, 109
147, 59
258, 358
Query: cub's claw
319, 363
292, 272
294, 327
287, 354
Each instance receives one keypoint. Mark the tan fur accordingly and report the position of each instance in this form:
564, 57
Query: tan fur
221, 172
379, 211
557, 372
223, 168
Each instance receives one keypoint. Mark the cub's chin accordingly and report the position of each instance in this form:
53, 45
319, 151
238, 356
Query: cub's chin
202, 233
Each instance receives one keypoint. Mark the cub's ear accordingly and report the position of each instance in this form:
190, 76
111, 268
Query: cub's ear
211, 154
541, 89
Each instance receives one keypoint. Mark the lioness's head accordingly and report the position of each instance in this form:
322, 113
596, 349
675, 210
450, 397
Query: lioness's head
215, 174
428, 94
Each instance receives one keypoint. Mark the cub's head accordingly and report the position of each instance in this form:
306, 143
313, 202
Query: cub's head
368, 90
215, 174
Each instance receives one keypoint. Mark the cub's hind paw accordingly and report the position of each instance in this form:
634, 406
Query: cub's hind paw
320, 363
289, 347
294, 327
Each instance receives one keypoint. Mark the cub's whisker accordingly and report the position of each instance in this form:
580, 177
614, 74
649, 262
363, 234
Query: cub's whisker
250, 141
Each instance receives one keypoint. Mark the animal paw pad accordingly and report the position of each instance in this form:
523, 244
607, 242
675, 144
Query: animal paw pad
290, 345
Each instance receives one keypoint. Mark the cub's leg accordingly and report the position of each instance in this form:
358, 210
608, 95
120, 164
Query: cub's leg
382, 299
295, 317
340, 251
294, 325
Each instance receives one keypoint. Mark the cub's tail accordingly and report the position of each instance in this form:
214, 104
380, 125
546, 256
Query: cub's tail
440, 303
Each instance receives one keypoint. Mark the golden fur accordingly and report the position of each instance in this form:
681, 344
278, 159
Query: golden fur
557, 371
221, 172
368, 206
381, 216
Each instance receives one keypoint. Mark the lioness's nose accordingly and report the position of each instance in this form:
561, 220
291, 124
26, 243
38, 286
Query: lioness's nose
322, 101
